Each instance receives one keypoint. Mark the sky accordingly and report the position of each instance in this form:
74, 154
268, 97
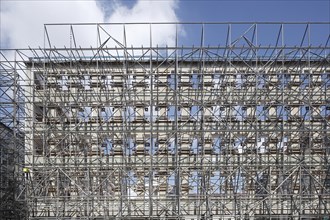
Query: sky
21, 21
255, 11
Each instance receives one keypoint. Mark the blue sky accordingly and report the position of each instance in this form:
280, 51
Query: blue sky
257, 10
21, 23
247, 10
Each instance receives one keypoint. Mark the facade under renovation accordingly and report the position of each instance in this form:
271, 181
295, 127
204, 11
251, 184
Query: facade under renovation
227, 127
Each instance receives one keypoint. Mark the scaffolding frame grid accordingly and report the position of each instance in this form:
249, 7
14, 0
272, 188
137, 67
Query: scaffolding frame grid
237, 129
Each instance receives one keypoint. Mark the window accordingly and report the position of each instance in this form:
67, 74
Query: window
262, 112
85, 114
305, 112
218, 80
240, 80
325, 77
239, 144
304, 141
129, 114
218, 112
39, 80
130, 80
261, 183
171, 112
216, 181
304, 80
240, 112
217, 145
195, 112
86, 82
261, 81
195, 80
131, 182
261, 145
325, 110
146, 186
171, 184
38, 112
283, 112
195, 146
151, 116
173, 80
283, 143
284, 79
107, 113
107, 81
130, 146
107, 146
151, 145
193, 182
64, 82
67, 111
238, 181
150, 80
171, 146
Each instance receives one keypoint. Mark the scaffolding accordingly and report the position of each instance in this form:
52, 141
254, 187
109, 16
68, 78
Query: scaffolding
224, 120
11, 145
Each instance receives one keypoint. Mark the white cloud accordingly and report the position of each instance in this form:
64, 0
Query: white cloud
148, 11
22, 22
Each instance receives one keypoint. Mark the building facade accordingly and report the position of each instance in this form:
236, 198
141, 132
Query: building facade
196, 132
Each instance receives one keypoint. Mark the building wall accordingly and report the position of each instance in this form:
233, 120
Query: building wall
191, 140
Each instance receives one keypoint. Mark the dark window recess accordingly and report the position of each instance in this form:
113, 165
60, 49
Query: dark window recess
39, 113
146, 109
